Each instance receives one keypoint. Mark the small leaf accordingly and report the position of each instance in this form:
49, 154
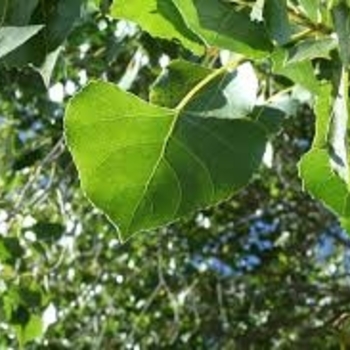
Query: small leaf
223, 25
310, 49
311, 8
32, 330
341, 18
277, 21
301, 73
176, 80
322, 122
269, 116
146, 166
231, 95
19, 314
10, 249
160, 18
325, 168
47, 231
338, 130
46, 69
58, 18
13, 37
17, 12
322, 182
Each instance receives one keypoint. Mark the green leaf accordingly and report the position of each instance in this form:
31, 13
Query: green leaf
58, 18
20, 300
270, 117
215, 22
323, 183
32, 330
146, 166
277, 21
20, 306
325, 168
230, 95
47, 231
17, 12
223, 25
10, 249
176, 80
161, 18
47, 67
13, 37
301, 73
311, 8
338, 130
341, 18
322, 122
311, 48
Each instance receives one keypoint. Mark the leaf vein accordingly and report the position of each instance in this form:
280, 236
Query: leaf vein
199, 161
179, 186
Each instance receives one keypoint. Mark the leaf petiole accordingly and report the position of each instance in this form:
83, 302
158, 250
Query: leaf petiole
203, 83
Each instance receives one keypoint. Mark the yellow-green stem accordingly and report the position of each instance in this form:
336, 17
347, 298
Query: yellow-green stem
203, 83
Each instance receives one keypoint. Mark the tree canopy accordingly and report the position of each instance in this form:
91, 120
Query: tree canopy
174, 174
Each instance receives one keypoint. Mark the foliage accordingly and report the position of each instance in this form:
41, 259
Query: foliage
248, 272
162, 160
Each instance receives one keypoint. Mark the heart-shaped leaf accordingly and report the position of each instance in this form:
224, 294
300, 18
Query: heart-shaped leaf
146, 166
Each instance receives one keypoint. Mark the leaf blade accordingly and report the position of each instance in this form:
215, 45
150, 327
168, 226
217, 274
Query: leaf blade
220, 24
277, 21
325, 168
161, 171
13, 37
231, 95
161, 18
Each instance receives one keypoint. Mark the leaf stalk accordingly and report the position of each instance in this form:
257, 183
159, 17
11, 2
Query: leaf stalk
203, 83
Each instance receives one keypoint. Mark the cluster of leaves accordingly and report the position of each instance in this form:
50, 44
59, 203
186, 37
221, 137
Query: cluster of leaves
198, 139
145, 164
